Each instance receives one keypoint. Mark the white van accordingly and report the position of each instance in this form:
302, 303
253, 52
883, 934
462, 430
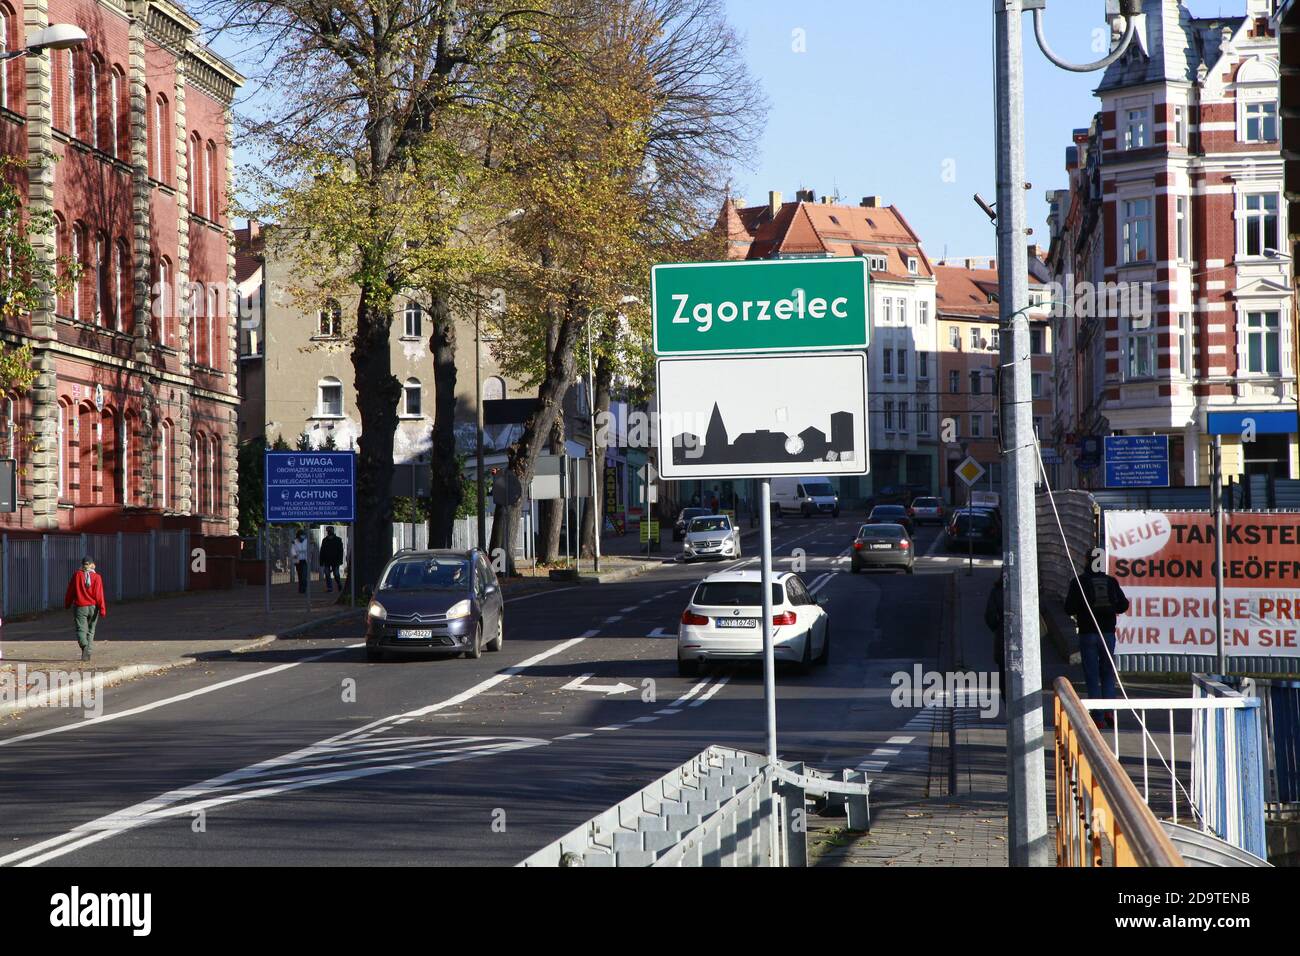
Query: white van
804, 496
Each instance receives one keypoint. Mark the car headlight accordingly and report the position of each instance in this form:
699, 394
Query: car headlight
377, 611
460, 609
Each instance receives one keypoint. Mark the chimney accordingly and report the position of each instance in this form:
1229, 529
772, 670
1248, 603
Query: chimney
993, 265
872, 202
806, 195
254, 230
773, 203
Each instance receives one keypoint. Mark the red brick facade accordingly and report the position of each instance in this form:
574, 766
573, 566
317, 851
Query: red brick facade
132, 420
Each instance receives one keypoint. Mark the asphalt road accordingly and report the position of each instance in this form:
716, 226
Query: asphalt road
305, 754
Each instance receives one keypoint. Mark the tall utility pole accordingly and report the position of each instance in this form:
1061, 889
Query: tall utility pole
1026, 780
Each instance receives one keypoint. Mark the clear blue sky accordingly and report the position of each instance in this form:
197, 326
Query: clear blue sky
887, 92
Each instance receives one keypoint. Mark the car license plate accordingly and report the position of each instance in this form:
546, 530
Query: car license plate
882, 547
737, 622
415, 635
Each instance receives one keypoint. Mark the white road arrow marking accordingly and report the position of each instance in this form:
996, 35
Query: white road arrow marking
580, 683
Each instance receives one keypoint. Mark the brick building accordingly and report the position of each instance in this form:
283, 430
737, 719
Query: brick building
131, 423
969, 343
1175, 203
902, 371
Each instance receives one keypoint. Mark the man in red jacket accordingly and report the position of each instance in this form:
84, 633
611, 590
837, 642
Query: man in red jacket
86, 597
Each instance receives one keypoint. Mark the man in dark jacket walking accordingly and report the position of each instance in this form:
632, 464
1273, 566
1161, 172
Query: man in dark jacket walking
1095, 600
85, 595
331, 558
994, 617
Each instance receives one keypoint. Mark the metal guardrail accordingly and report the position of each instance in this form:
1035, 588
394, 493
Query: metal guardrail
1228, 764
722, 807
1101, 819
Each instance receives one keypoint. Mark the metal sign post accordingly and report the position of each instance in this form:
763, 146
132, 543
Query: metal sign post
769, 655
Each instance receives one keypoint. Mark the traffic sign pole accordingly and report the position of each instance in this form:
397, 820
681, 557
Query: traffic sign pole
769, 655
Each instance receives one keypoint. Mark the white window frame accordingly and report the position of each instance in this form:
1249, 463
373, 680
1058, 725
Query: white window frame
1140, 343
1136, 230
114, 120
889, 415
62, 437
74, 243
1183, 228
119, 268
158, 167
913, 265
887, 362
409, 386
1180, 125
902, 417
923, 365
164, 487
92, 75
923, 313
1250, 328
1182, 324
976, 425
72, 93
1256, 221
321, 409
412, 308
4, 64
1262, 111
1137, 127
923, 418
954, 378
124, 456
954, 337
901, 362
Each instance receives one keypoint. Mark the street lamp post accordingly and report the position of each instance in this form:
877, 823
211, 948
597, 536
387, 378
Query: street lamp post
57, 36
1028, 841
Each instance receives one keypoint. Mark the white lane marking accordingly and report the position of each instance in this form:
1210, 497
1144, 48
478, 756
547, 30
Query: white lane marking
900, 740
180, 802
710, 692
613, 727
886, 752
525, 597
659, 632
178, 698
586, 634
627, 610
643, 720
873, 766
695, 689
578, 736
580, 683
668, 711
613, 620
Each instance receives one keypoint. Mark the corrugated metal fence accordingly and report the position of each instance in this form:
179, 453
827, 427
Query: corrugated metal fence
34, 572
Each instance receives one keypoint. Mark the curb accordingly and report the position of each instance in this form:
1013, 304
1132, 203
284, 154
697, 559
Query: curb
610, 577
128, 671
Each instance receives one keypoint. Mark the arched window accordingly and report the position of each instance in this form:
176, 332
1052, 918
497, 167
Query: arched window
109, 473
121, 297
5, 19
61, 438
214, 326
126, 457
199, 471
494, 389
95, 67
411, 395
210, 180
216, 503
64, 304
87, 457
73, 104
103, 276
120, 110
163, 467
163, 301
161, 139
76, 252
329, 398
195, 173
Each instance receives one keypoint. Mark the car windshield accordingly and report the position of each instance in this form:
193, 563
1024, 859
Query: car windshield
925, 503
427, 574
893, 531
735, 594
689, 513
712, 523
881, 511
819, 489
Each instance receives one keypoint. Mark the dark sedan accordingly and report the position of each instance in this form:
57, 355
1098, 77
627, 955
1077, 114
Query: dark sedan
684, 520
890, 514
882, 546
436, 602
973, 530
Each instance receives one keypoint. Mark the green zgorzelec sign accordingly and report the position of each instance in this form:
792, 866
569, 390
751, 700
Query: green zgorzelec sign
768, 305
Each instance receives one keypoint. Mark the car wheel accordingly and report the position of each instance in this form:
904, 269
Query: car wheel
805, 662
374, 654
806, 513
687, 668
824, 657
496, 642
476, 651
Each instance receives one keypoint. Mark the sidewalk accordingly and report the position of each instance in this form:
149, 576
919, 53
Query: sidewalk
140, 637
965, 826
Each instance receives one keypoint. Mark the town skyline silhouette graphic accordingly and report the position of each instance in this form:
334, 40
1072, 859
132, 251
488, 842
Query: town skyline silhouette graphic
757, 447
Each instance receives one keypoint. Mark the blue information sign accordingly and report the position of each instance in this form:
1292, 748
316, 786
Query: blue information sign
310, 486
1137, 461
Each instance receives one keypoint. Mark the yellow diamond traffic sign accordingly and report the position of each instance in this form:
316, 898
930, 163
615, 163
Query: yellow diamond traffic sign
970, 471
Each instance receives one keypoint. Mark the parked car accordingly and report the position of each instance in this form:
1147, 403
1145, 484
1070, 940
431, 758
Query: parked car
711, 536
890, 514
927, 511
722, 622
804, 496
896, 495
973, 529
684, 518
440, 602
882, 546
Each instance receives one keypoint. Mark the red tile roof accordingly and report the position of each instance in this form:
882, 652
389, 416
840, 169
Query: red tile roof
968, 292
813, 228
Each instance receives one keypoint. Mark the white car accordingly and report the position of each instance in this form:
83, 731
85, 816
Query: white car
711, 536
804, 496
722, 622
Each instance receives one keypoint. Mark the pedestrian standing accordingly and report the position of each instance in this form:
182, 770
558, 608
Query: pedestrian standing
85, 596
1095, 600
300, 555
995, 618
331, 558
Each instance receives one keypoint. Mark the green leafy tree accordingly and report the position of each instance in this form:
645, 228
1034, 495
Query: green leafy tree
251, 479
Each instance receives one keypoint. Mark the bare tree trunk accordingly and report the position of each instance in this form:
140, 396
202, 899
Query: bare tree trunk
551, 521
444, 474
377, 391
594, 517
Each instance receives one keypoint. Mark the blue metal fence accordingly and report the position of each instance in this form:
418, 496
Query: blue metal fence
1228, 766
1280, 702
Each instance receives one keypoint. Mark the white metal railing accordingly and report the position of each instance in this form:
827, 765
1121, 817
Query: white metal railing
1220, 792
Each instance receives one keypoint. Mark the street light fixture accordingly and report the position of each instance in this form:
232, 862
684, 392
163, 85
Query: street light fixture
57, 36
